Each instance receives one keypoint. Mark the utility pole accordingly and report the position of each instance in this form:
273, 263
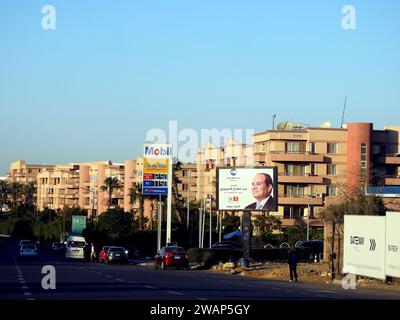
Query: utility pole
200, 224
210, 221
159, 221
188, 200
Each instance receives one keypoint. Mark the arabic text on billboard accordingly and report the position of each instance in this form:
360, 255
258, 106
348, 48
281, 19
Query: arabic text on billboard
247, 189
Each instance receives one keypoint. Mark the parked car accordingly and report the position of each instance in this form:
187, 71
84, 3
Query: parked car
116, 255
103, 253
227, 245
57, 247
28, 251
172, 256
316, 248
25, 242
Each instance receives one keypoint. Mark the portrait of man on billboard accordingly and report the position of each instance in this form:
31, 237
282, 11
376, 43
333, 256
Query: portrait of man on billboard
261, 190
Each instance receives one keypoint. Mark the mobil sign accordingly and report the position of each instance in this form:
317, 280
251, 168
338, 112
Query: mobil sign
154, 151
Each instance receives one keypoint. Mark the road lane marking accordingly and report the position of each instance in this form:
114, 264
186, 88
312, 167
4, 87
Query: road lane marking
99, 273
30, 299
201, 299
119, 280
110, 277
24, 288
149, 287
176, 293
27, 294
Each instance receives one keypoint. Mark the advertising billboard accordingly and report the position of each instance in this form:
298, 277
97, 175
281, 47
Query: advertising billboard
155, 176
393, 244
247, 189
364, 246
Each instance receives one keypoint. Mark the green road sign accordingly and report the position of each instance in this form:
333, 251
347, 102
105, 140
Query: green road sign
78, 224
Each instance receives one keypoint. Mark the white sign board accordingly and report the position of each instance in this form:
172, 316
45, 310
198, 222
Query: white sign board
157, 151
393, 244
247, 189
364, 246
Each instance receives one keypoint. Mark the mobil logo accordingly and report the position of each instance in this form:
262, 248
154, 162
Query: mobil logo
158, 151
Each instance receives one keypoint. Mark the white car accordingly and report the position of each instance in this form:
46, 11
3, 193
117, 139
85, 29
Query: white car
28, 251
75, 248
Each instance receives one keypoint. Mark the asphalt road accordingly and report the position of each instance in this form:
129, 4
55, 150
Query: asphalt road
21, 280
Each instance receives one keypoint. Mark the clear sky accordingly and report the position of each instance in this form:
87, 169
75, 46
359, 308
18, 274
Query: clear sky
112, 70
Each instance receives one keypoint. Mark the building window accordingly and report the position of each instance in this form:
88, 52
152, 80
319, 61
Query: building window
312, 169
332, 147
312, 147
363, 159
185, 173
332, 191
332, 169
295, 191
293, 212
295, 147
295, 170
185, 187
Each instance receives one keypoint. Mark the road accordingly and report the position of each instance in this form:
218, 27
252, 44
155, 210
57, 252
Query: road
21, 280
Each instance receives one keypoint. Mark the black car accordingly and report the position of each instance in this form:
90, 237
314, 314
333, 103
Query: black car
116, 255
315, 247
227, 245
57, 247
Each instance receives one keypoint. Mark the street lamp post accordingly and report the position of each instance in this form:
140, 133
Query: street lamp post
188, 201
210, 197
308, 217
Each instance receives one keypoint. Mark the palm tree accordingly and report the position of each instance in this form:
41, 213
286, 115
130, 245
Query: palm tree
110, 184
4, 193
28, 192
135, 195
177, 202
15, 192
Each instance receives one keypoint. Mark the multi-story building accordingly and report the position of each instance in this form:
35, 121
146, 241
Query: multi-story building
187, 182
318, 165
24, 173
211, 157
58, 187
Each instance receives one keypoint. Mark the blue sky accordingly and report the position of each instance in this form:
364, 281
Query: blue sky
112, 70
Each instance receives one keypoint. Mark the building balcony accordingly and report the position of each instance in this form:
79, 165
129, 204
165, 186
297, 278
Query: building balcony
300, 201
282, 156
390, 159
392, 181
260, 157
307, 179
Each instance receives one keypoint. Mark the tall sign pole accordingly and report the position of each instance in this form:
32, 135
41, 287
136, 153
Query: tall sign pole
157, 177
169, 201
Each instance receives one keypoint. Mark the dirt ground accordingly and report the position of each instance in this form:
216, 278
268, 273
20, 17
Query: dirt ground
307, 272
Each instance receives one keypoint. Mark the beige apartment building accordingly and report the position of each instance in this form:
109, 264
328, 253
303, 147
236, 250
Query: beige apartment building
318, 165
211, 157
187, 182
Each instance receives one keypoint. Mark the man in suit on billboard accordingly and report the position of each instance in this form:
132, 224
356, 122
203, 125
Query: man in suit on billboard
261, 190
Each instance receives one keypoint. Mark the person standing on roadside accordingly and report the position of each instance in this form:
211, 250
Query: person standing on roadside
92, 253
292, 260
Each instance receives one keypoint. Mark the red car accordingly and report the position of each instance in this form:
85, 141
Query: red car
103, 254
173, 256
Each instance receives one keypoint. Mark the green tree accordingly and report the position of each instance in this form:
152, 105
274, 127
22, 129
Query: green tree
110, 184
135, 196
4, 193
28, 191
116, 223
15, 192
